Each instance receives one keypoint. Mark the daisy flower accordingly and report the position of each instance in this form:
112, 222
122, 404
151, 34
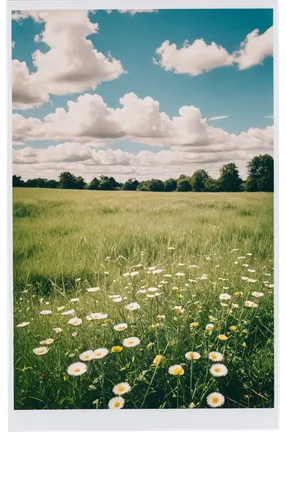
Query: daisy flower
218, 370
60, 308
100, 315
117, 299
215, 399
152, 289
46, 342
195, 324
224, 296
74, 300
76, 369
116, 403
157, 359
100, 353
120, 327
177, 370
257, 294
192, 355
179, 309
210, 327
86, 356
93, 289
222, 337
121, 388
215, 356
46, 312
133, 306
40, 351
75, 321
68, 313
249, 303
131, 342
233, 328
22, 325
180, 274
57, 330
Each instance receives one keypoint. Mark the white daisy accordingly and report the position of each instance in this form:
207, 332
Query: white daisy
117, 299
179, 309
74, 300
116, 403
121, 388
76, 369
192, 355
131, 342
215, 356
46, 312
209, 327
93, 289
180, 274
86, 356
177, 370
47, 342
60, 308
40, 351
257, 294
57, 330
152, 289
215, 399
68, 313
92, 316
218, 370
100, 353
249, 303
120, 327
22, 325
75, 321
133, 306
224, 296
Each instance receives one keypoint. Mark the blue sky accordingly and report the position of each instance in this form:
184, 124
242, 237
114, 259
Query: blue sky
246, 96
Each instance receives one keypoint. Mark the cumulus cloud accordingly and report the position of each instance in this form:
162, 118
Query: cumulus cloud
26, 93
254, 49
192, 59
90, 120
132, 12
72, 64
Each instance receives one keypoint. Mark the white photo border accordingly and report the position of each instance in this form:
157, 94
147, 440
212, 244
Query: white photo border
147, 419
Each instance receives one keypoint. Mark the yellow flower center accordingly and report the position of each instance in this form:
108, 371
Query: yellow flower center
86, 356
120, 388
98, 354
76, 370
214, 356
177, 371
217, 370
130, 342
116, 404
215, 400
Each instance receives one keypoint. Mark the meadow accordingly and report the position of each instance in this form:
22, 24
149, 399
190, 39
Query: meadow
142, 300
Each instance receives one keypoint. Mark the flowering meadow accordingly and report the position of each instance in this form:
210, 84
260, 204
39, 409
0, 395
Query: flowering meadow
129, 300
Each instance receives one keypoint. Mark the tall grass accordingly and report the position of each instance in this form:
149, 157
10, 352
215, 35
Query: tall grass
61, 236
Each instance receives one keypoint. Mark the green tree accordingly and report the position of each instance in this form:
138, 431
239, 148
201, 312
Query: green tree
51, 183
211, 185
131, 185
107, 183
67, 181
17, 181
94, 184
199, 179
229, 179
260, 174
184, 184
170, 185
80, 183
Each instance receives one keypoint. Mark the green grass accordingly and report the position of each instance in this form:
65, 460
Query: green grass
61, 236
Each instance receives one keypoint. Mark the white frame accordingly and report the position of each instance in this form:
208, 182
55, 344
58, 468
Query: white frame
177, 419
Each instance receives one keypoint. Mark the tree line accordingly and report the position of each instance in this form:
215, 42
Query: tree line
260, 178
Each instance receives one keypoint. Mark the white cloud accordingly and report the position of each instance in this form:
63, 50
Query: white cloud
132, 12
90, 120
192, 59
72, 64
215, 118
25, 91
254, 49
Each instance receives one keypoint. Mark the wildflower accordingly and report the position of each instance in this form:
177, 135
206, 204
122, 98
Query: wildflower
249, 254
152, 289
180, 274
161, 316
100, 353
224, 296
142, 291
75, 321
195, 324
57, 330
76, 369
215, 399
68, 313
243, 344
167, 276
22, 325
100, 315
215, 356
210, 327
192, 405
47, 342
117, 299
171, 248
177, 370
249, 303
116, 348
223, 304
238, 294
233, 328
121, 388
40, 351
218, 370
245, 265
74, 300
133, 306
222, 337
234, 305
60, 308
94, 289
250, 280
131, 342
74, 334
120, 327
134, 273
179, 309
150, 345
257, 294
116, 403
157, 359
157, 271
192, 355
86, 356
46, 312
251, 270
